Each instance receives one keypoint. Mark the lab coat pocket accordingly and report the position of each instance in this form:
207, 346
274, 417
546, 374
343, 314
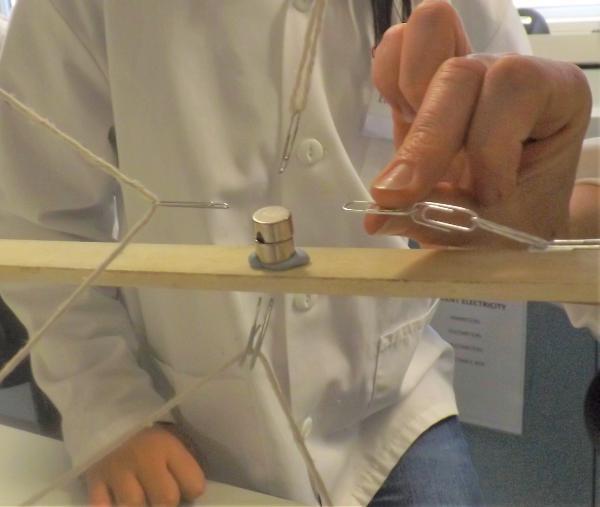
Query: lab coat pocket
395, 350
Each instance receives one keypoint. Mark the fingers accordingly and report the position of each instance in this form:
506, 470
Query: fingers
406, 226
524, 102
160, 487
187, 473
153, 467
127, 490
409, 55
436, 137
515, 124
386, 67
99, 495
433, 35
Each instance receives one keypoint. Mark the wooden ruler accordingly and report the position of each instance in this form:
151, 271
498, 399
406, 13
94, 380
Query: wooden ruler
482, 274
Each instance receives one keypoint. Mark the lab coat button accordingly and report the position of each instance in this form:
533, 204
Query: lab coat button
307, 426
302, 5
303, 302
310, 151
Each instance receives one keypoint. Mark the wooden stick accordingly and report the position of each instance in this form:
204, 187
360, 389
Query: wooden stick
482, 274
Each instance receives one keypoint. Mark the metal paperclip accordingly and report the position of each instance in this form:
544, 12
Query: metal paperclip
290, 141
256, 337
419, 213
194, 204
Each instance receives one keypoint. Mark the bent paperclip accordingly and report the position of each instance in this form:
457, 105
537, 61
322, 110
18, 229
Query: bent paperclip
420, 214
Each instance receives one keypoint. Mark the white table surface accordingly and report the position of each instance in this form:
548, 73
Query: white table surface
28, 462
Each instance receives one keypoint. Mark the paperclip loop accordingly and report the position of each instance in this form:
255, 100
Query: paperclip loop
419, 213
258, 331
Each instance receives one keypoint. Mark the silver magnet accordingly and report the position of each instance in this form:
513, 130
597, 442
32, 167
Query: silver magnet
274, 234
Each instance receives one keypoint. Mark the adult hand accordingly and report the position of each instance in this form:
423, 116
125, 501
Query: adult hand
154, 468
500, 134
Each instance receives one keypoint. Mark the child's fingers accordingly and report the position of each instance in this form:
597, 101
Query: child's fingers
160, 486
127, 490
187, 472
99, 495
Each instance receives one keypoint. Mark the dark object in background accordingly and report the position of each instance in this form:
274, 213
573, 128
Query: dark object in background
382, 15
592, 410
13, 336
48, 417
537, 24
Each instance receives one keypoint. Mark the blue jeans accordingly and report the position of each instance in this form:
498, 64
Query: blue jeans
435, 471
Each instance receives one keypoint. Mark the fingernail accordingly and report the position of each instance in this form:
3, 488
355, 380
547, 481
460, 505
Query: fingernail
396, 178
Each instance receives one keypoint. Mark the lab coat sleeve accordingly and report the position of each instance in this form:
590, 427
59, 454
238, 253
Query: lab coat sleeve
494, 26
87, 361
588, 172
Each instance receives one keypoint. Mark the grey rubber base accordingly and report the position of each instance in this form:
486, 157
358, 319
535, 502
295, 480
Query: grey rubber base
300, 258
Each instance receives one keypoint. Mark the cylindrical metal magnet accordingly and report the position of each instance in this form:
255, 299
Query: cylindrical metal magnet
273, 224
274, 253
274, 234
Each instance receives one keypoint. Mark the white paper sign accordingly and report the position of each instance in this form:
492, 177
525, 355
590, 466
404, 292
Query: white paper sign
489, 339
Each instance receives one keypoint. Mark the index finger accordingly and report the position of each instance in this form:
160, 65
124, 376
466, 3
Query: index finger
436, 136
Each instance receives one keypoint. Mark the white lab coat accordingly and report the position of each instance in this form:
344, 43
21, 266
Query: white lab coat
198, 94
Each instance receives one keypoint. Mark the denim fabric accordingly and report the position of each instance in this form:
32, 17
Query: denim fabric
436, 471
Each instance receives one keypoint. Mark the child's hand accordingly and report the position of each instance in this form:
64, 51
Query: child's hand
154, 468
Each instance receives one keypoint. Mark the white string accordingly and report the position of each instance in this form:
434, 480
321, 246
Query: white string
66, 304
309, 463
86, 153
298, 104
307, 61
70, 475
105, 166
75, 472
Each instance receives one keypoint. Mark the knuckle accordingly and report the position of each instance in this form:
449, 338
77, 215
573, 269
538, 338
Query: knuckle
518, 73
461, 70
169, 498
581, 86
195, 490
392, 35
422, 139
